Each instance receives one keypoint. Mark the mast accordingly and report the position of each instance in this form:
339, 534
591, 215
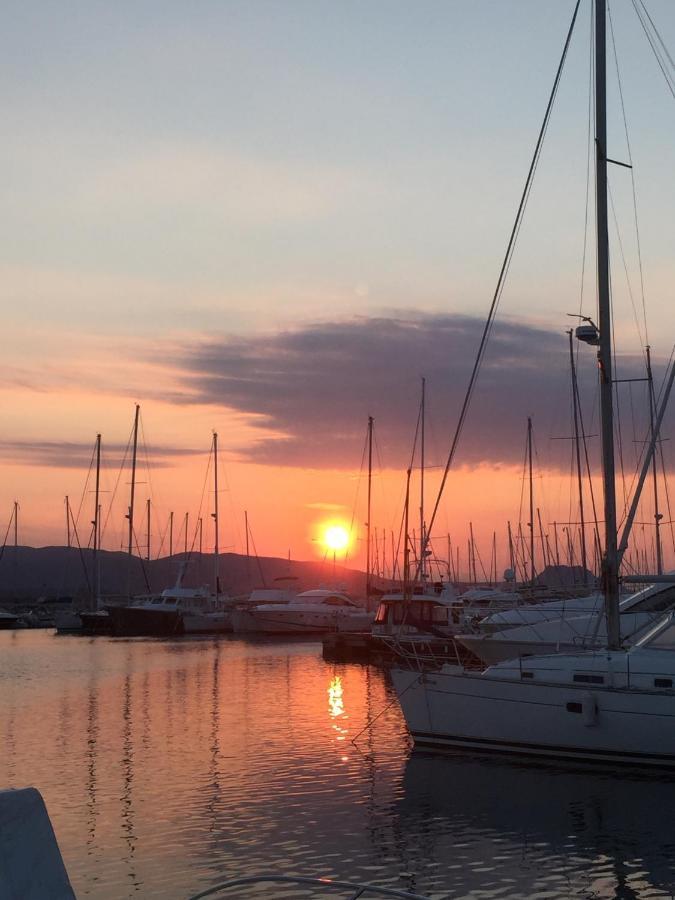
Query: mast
406, 547
147, 528
657, 515
215, 514
580, 488
96, 522
67, 522
171, 533
512, 556
16, 526
610, 568
368, 512
423, 542
185, 545
531, 522
132, 494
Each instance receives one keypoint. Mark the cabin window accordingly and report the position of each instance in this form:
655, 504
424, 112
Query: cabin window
574, 707
585, 678
527, 674
381, 616
439, 615
335, 601
398, 614
663, 682
659, 602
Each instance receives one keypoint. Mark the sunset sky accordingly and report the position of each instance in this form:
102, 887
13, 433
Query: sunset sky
271, 219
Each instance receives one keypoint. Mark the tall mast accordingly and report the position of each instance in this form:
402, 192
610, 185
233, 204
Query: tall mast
16, 525
215, 514
67, 521
248, 554
185, 544
580, 487
368, 511
147, 527
96, 522
652, 416
132, 494
423, 542
171, 533
610, 568
406, 545
531, 522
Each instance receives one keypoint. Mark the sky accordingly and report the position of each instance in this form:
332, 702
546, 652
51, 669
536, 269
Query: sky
272, 219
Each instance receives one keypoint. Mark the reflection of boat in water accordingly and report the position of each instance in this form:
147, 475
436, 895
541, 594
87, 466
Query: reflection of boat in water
577, 825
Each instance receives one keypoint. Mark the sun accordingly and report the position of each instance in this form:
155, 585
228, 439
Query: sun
336, 538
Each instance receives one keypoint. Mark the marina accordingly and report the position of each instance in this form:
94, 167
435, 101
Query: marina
366, 586
255, 740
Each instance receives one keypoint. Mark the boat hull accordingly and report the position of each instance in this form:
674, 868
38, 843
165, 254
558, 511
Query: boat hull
208, 623
8, 622
563, 721
96, 623
137, 621
256, 621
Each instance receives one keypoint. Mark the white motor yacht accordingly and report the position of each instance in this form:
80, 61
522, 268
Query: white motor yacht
318, 611
570, 627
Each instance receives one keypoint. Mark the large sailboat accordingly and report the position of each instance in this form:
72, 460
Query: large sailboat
613, 705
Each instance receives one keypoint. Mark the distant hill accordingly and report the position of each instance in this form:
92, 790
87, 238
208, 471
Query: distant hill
27, 573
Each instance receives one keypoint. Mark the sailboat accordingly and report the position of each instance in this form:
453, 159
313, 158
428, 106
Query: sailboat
179, 610
616, 705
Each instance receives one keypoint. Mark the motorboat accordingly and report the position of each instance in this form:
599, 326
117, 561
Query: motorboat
177, 610
7, 620
242, 621
569, 628
427, 617
316, 611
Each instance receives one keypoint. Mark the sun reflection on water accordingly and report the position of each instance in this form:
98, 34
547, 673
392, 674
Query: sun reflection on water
335, 697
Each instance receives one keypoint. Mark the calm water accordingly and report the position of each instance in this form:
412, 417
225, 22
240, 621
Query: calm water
170, 765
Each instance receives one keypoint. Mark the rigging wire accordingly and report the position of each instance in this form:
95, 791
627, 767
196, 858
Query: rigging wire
632, 176
487, 329
658, 54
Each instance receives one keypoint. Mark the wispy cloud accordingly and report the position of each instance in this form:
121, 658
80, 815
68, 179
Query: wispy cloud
74, 455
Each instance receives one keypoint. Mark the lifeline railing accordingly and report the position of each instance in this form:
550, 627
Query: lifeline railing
359, 890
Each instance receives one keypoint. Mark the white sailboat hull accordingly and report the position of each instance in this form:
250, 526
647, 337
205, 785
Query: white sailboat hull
564, 721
